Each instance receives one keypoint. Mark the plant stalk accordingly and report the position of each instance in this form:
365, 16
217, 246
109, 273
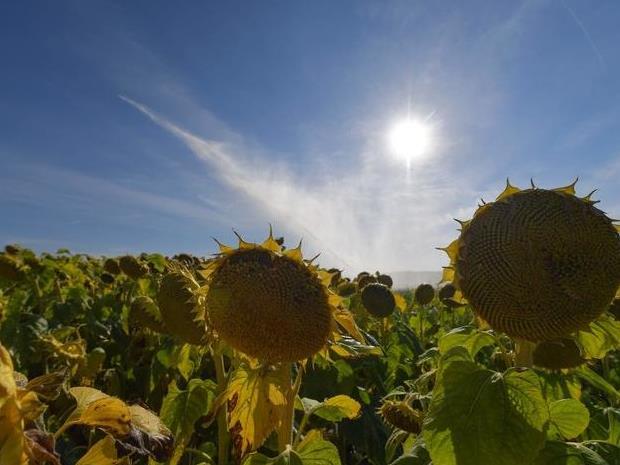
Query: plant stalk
223, 438
523, 353
285, 431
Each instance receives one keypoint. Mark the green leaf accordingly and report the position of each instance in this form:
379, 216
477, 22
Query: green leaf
597, 381
609, 452
602, 336
306, 404
318, 452
337, 408
557, 386
479, 417
562, 453
469, 337
613, 415
288, 457
181, 409
346, 346
158, 261
568, 418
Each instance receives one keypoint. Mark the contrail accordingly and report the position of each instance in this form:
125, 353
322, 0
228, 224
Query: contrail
587, 35
242, 179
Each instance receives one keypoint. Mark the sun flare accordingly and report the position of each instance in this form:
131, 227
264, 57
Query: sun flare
410, 139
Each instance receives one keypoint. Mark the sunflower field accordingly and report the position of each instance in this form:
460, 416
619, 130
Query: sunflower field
259, 356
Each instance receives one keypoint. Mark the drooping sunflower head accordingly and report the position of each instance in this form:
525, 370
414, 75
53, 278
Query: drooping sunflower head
365, 280
401, 415
557, 354
424, 294
144, 313
537, 264
346, 289
130, 265
111, 266
182, 305
446, 291
385, 279
268, 302
378, 300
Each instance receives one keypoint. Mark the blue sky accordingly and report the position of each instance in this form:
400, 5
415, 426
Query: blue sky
154, 126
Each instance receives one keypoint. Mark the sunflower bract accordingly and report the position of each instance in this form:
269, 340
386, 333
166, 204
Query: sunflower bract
537, 264
268, 305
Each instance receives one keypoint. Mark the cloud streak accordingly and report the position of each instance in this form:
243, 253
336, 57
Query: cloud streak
372, 216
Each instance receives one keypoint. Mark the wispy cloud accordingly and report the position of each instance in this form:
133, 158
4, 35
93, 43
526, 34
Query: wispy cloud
372, 216
41, 185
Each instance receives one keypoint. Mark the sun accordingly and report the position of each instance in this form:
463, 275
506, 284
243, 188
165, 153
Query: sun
410, 139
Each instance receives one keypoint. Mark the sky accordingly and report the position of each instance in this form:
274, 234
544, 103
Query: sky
157, 126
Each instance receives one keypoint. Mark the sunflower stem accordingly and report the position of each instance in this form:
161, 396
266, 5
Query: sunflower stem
223, 438
285, 431
421, 315
523, 353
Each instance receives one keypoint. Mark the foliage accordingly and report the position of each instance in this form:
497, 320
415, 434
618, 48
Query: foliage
90, 373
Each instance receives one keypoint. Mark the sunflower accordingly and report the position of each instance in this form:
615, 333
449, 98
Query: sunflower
424, 294
268, 302
557, 354
537, 264
378, 300
401, 415
182, 306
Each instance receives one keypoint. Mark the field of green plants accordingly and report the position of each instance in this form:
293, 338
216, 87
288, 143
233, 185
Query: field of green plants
259, 356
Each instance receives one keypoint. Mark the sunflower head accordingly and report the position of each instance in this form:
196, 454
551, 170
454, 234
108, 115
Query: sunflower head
182, 306
385, 279
346, 289
424, 294
446, 291
537, 264
132, 267
401, 415
378, 300
268, 302
10, 269
336, 276
111, 266
12, 249
107, 278
365, 280
144, 313
557, 354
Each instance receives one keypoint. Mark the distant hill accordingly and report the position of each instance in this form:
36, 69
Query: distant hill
409, 279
